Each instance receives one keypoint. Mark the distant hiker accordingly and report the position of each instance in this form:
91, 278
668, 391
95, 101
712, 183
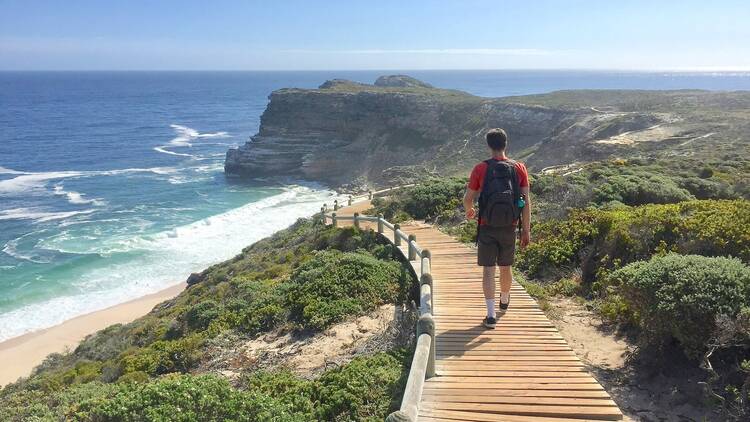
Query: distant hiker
503, 189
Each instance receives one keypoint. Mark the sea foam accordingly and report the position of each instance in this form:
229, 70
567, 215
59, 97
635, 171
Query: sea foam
36, 182
184, 138
76, 197
168, 257
39, 214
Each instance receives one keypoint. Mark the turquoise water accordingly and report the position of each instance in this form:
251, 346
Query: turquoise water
112, 186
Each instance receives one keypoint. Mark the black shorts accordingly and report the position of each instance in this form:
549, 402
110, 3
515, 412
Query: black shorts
496, 246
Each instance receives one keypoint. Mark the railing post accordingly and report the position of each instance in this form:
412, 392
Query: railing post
427, 279
336, 205
396, 238
412, 249
427, 325
334, 221
426, 262
350, 201
398, 416
380, 223
356, 219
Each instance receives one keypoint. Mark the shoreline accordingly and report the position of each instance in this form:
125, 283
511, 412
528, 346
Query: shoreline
22, 354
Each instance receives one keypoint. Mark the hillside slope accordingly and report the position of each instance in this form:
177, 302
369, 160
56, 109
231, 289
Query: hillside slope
401, 129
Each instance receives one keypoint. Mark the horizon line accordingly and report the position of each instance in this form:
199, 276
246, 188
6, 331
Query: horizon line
564, 69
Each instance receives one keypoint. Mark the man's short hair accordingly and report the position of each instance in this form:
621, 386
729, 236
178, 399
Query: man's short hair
497, 139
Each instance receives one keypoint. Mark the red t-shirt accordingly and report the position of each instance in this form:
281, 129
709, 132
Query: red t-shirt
477, 176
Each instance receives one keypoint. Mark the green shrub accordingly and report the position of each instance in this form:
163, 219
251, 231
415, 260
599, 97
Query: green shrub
83, 371
201, 314
70, 404
262, 306
680, 297
333, 285
426, 200
366, 389
297, 393
106, 344
434, 197
164, 356
640, 189
565, 287
703, 188
465, 232
189, 398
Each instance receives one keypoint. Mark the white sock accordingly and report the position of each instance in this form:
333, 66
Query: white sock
504, 297
490, 307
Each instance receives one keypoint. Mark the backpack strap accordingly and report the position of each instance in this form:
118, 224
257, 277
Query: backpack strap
482, 196
516, 194
491, 162
516, 181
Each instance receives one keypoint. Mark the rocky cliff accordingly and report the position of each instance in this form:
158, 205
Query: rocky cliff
400, 129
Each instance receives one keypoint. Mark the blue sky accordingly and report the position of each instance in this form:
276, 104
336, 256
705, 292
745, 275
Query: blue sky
382, 34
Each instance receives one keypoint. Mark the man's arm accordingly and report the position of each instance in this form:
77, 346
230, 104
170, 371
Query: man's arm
469, 197
526, 217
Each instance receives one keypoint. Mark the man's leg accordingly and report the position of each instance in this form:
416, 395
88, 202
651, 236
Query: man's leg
506, 277
488, 285
487, 257
505, 260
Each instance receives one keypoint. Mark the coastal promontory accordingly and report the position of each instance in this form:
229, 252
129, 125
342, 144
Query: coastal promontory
400, 129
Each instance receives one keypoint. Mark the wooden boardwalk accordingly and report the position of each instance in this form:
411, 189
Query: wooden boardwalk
523, 370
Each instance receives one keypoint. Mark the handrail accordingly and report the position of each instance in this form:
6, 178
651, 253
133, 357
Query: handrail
423, 362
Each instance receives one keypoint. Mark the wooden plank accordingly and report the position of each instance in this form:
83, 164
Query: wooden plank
547, 359
508, 364
486, 392
469, 416
508, 374
448, 415
579, 412
520, 386
491, 380
495, 351
458, 366
499, 398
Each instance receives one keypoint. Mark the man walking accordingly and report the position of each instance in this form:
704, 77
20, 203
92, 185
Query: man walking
502, 186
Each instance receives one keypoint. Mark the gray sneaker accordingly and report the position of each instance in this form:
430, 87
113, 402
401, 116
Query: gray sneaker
489, 322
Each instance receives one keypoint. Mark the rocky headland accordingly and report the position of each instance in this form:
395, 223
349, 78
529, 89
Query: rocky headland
400, 129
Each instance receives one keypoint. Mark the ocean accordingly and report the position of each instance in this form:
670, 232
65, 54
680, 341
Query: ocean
112, 183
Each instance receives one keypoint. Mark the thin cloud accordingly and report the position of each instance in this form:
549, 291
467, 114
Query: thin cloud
438, 51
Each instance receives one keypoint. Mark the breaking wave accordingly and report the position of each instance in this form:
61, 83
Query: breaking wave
185, 137
76, 197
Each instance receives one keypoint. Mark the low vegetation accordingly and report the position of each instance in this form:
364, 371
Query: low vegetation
366, 389
599, 240
304, 278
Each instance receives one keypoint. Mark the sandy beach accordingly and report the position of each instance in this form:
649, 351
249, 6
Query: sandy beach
21, 354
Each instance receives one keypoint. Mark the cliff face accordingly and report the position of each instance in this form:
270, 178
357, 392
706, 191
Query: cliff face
344, 131
402, 129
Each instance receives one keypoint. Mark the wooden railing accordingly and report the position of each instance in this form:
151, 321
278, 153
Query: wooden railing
367, 196
423, 362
